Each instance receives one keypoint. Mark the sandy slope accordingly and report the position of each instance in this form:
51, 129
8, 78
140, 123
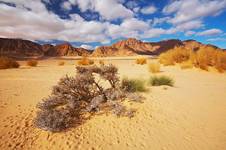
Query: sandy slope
189, 116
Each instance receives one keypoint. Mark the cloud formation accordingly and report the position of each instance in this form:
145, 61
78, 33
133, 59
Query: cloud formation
210, 32
149, 10
109, 19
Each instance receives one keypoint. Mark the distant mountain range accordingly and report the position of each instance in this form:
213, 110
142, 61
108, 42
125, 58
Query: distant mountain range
129, 47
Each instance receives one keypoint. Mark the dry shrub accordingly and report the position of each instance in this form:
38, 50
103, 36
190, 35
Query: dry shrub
220, 63
186, 65
32, 63
209, 56
85, 61
101, 62
61, 63
6, 63
203, 58
154, 67
141, 61
176, 55
73, 98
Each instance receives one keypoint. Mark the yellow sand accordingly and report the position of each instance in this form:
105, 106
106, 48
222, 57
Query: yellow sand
189, 116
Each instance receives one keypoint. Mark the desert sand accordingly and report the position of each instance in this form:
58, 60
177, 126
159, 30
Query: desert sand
189, 116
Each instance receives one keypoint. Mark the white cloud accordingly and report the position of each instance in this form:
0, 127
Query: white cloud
187, 10
154, 32
216, 39
66, 5
195, 24
108, 9
149, 10
111, 9
190, 33
18, 22
158, 21
31, 20
210, 32
132, 4
134, 24
89, 47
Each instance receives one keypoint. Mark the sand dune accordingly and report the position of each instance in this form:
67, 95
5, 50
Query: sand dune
189, 116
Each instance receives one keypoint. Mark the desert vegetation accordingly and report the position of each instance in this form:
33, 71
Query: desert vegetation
73, 98
133, 85
101, 62
154, 67
203, 58
161, 80
186, 65
141, 61
85, 61
6, 63
61, 63
32, 63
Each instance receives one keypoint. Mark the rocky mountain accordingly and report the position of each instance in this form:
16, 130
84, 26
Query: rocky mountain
64, 49
133, 46
25, 48
19, 47
127, 47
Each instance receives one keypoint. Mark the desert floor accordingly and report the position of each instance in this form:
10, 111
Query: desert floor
189, 116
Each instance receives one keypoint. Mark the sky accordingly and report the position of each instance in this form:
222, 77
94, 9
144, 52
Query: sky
91, 23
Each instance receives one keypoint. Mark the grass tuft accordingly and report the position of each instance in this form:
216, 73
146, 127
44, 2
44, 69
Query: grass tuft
154, 67
161, 80
133, 85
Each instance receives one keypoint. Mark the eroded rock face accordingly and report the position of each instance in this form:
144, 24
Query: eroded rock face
26, 48
133, 46
127, 47
64, 49
19, 48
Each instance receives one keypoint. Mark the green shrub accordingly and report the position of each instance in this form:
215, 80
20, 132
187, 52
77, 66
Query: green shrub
161, 80
6, 63
133, 85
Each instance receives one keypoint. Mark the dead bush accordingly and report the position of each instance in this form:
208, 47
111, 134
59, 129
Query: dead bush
75, 96
85, 61
61, 63
101, 62
220, 63
154, 67
32, 63
141, 61
176, 55
203, 58
6, 63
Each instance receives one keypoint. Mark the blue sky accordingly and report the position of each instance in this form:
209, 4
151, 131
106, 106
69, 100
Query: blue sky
90, 23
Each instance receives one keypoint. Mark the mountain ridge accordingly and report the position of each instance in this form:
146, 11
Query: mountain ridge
126, 47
